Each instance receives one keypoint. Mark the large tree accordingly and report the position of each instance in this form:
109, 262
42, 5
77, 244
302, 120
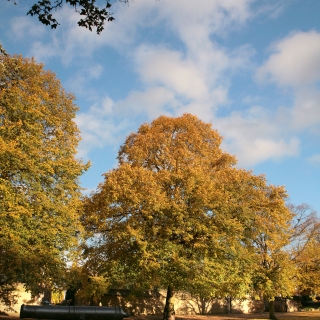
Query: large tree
39, 186
176, 213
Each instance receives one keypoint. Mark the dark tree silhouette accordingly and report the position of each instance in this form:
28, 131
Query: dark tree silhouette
92, 15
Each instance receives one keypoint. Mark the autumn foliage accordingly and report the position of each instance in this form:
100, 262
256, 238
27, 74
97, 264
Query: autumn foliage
39, 186
176, 212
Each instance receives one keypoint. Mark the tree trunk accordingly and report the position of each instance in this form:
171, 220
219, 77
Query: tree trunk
169, 313
229, 301
272, 315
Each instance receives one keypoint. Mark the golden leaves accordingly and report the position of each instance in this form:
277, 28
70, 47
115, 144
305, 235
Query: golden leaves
39, 189
177, 203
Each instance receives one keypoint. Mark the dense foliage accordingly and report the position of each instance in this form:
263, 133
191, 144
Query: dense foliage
39, 187
175, 213
176, 208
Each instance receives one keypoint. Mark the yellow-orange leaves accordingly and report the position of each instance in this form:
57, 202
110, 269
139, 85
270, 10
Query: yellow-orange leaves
39, 187
176, 209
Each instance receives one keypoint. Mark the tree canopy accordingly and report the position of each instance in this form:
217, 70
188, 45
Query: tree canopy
39, 186
176, 208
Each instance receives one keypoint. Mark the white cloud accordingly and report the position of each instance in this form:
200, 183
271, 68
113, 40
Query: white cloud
272, 9
315, 160
98, 128
256, 136
70, 42
260, 150
194, 79
178, 16
22, 27
195, 21
296, 63
169, 68
199, 85
42, 52
80, 81
296, 60
152, 102
306, 110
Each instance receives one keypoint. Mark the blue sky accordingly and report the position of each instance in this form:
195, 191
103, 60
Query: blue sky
251, 68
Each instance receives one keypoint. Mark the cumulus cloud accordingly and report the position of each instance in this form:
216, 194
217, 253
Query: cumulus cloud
167, 67
70, 43
256, 135
193, 76
196, 80
98, 128
256, 150
178, 16
197, 85
195, 21
314, 160
295, 61
80, 81
22, 27
306, 110
152, 102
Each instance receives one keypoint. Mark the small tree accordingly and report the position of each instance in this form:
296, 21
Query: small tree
275, 272
305, 248
39, 186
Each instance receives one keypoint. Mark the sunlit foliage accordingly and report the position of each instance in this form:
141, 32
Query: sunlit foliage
39, 186
177, 213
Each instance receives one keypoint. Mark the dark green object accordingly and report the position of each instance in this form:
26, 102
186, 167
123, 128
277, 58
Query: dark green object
72, 312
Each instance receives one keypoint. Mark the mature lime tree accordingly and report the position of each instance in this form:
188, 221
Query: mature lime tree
176, 213
39, 186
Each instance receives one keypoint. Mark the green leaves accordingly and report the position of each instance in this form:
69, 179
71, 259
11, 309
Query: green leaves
39, 187
177, 213
176, 209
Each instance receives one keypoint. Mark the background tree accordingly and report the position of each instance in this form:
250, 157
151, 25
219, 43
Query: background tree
39, 186
305, 248
86, 287
175, 213
288, 246
275, 273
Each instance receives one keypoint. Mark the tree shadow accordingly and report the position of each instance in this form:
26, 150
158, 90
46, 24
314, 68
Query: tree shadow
193, 304
135, 303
